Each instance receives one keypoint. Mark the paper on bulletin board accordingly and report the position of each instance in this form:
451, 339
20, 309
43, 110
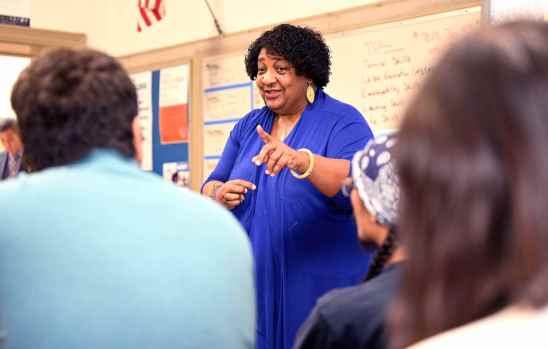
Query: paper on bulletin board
228, 102
216, 135
143, 84
224, 70
173, 102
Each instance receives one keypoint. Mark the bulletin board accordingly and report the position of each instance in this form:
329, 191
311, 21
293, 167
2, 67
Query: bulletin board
164, 119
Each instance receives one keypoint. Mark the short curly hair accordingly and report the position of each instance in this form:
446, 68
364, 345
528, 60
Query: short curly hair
70, 102
302, 47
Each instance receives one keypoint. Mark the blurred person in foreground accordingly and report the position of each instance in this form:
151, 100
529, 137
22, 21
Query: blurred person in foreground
473, 169
95, 253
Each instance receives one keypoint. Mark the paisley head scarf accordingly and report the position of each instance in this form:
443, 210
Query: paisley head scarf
374, 176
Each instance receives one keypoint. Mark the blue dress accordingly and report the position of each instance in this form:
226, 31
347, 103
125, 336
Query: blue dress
304, 243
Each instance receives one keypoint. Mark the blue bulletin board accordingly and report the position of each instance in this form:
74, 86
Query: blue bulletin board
160, 111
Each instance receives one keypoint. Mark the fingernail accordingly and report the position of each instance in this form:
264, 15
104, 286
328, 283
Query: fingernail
267, 172
258, 163
245, 190
254, 187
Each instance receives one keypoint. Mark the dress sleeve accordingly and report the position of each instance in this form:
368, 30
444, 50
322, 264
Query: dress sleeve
314, 333
349, 135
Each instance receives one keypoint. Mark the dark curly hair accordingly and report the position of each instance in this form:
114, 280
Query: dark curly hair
70, 102
302, 47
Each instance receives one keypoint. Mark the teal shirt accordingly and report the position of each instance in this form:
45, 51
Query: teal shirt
99, 254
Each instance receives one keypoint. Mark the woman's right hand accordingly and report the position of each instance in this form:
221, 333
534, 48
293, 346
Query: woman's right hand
232, 193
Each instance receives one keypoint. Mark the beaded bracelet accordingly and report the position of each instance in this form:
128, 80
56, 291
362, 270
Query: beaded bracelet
310, 165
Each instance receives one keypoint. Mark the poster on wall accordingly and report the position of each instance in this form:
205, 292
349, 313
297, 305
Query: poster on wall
143, 84
174, 121
15, 12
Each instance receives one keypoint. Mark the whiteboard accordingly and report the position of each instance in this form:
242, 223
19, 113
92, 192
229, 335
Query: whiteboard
228, 95
376, 69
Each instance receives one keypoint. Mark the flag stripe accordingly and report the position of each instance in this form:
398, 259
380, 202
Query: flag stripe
150, 11
156, 14
145, 16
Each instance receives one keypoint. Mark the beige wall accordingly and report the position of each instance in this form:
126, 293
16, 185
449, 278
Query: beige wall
110, 25
273, 12
185, 20
80, 16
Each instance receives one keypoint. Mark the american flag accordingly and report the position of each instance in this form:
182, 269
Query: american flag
149, 12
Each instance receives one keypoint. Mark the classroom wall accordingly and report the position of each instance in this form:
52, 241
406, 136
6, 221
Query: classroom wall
79, 16
187, 21
111, 24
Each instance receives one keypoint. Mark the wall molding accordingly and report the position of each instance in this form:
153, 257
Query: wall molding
26, 41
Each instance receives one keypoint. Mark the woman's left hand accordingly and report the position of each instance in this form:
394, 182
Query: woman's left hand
277, 155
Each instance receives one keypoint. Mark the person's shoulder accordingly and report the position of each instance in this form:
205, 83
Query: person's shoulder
341, 300
15, 195
351, 317
253, 118
195, 206
206, 217
339, 110
361, 301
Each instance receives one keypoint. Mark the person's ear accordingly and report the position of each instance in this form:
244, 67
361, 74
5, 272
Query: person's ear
137, 139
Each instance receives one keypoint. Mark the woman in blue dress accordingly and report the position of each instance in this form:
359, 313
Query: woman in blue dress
281, 173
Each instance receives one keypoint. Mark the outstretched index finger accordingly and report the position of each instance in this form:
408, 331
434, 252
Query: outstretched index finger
265, 136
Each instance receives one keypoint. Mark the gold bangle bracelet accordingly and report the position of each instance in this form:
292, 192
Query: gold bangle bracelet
213, 191
310, 165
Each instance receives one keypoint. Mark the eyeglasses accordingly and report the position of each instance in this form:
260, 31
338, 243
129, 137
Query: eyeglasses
347, 186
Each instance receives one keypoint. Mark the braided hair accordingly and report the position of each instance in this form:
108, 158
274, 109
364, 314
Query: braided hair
382, 256
374, 178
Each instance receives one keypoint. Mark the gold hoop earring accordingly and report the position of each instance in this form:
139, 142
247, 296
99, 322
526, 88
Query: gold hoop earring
310, 94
